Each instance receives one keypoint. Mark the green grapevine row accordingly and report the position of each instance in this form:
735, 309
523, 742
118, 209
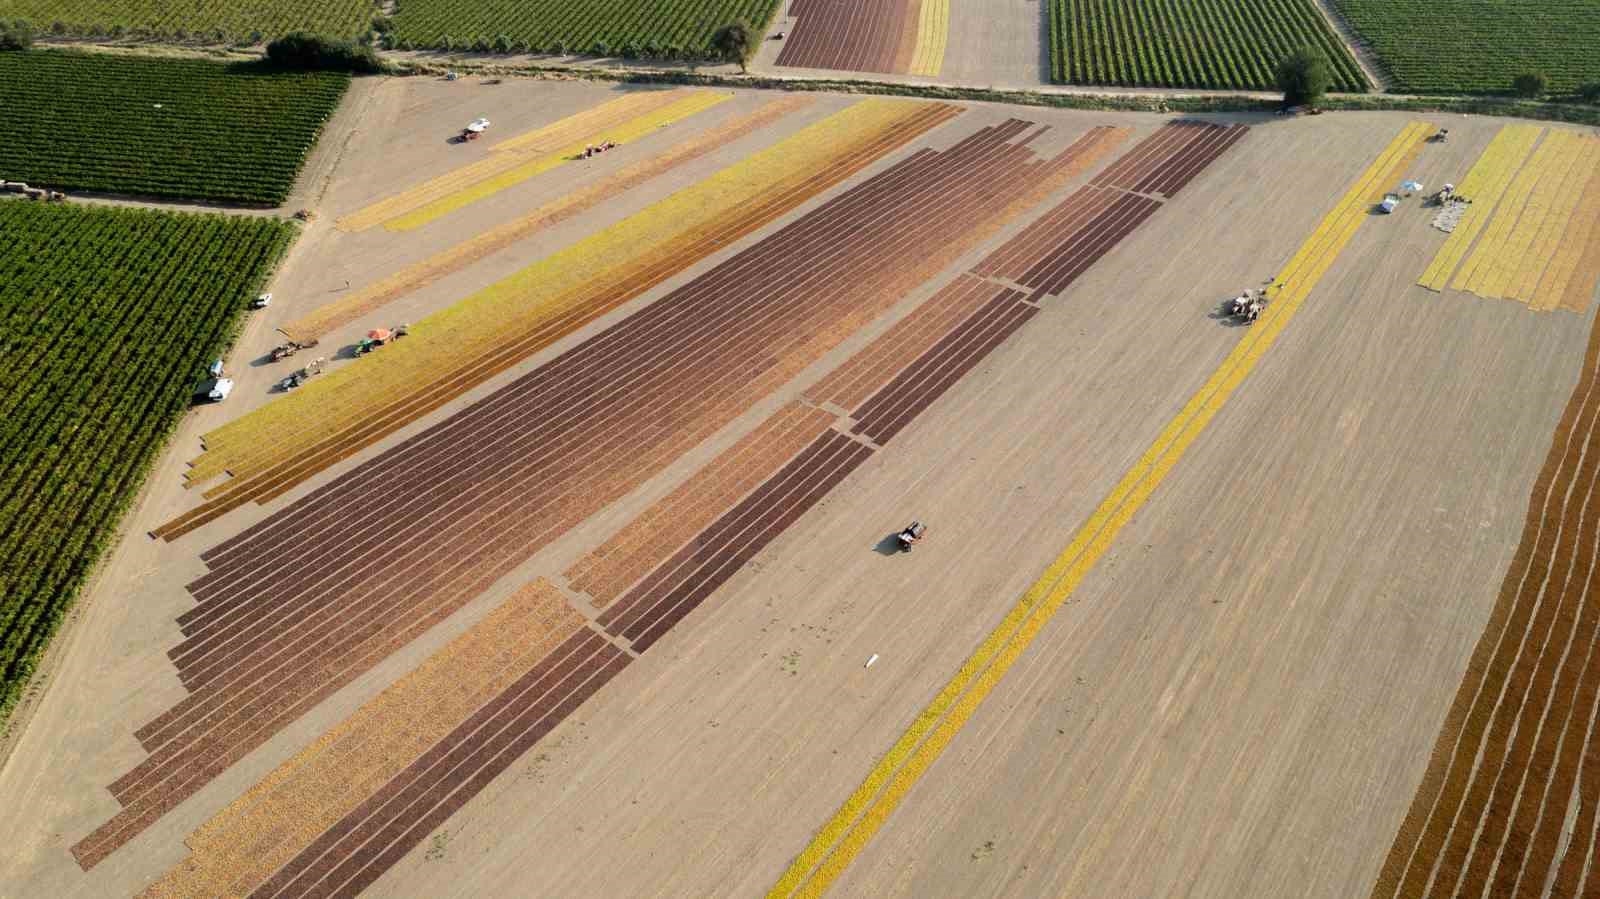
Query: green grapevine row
159, 127
107, 317
1214, 44
210, 22
671, 29
1476, 47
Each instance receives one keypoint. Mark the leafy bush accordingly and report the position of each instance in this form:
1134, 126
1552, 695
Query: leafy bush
735, 42
301, 51
16, 36
1530, 84
1303, 77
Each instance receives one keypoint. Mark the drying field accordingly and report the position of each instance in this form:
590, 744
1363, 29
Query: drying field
902, 36
181, 128
1179, 43
588, 586
1467, 46
107, 319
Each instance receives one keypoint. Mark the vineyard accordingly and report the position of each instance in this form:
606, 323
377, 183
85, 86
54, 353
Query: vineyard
672, 29
107, 316
1211, 44
159, 127
220, 22
1472, 47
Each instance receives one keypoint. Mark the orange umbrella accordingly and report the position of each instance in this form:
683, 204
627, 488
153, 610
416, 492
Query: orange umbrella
379, 334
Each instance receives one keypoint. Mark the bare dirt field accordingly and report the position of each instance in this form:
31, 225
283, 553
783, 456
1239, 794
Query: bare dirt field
1240, 698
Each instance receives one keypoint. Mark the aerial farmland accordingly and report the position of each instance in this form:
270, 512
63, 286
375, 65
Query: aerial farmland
530, 471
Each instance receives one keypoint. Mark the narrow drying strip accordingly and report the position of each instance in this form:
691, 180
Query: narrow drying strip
615, 565
510, 153
675, 589
925, 380
623, 134
1485, 184
863, 373
1517, 747
865, 811
242, 845
933, 34
1561, 278
421, 274
299, 435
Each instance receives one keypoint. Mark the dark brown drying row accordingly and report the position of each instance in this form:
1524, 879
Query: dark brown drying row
600, 297
332, 586
1517, 748
606, 571
1053, 251
848, 35
893, 407
866, 371
1169, 159
354, 852
674, 590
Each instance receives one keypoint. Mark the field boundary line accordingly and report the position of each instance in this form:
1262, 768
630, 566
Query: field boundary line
842, 838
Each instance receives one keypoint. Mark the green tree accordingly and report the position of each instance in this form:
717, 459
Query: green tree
1303, 77
16, 36
1531, 84
1589, 93
735, 42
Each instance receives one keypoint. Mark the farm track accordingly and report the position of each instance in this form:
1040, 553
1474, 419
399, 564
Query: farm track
855, 37
327, 612
421, 274
1517, 745
282, 472
951, 332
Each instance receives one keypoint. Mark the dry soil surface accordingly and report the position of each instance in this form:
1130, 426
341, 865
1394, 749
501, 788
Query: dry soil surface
1238, 701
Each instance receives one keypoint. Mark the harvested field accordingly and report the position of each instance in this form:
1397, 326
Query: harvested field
421, 274
469, 342
1531, 225
904, 36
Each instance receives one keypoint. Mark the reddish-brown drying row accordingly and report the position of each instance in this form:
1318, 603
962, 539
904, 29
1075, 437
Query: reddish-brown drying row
850, 35
326, 588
